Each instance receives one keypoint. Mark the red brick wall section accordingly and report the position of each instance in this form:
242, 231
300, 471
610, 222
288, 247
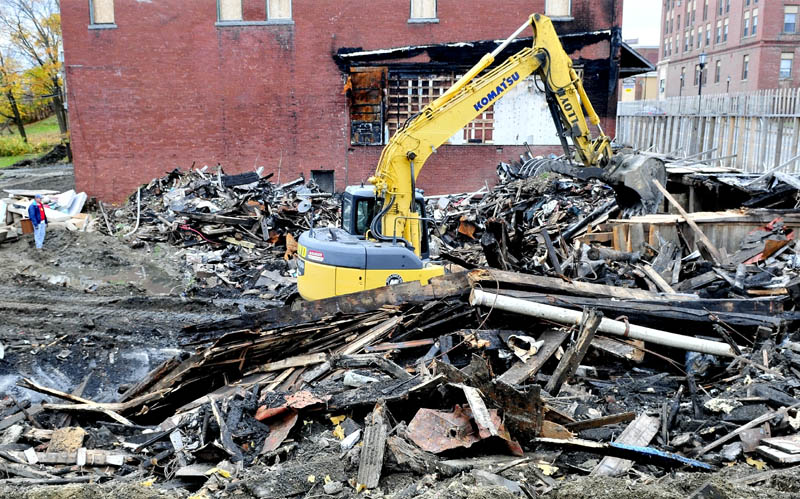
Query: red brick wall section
167, 88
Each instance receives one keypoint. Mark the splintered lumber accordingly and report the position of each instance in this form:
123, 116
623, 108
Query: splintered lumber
372, 335
632, 350
22, 470
82, 404
81, 457
417, 460
587, 424
575, 353
490, 278
639, 433
522, 371
368, 360
297, 361
19, 416
375, 434
571, 317
368, 301
657, 279
709, 246
752, 424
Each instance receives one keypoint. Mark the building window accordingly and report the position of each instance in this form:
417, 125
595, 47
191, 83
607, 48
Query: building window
662, 86
423, 11
717, 72
727, 6
699, 36
686, 42
558, 8
708, 35
790, 19
787, 60
279, 10
746, 23
719, 31
102, 11
705, 10
725, 32
696, 74
229, 10
754, 28
719, 9
745, 66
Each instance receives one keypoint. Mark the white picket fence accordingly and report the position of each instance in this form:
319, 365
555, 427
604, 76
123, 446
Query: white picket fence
753, 131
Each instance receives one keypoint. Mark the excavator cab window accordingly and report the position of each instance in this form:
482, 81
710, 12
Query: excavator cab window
357, 213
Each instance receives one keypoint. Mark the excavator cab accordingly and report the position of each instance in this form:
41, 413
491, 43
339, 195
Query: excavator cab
359, 207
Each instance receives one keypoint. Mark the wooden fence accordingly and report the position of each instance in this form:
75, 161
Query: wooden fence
753, 131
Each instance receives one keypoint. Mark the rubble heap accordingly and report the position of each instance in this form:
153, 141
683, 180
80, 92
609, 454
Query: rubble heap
508, 380
239, 232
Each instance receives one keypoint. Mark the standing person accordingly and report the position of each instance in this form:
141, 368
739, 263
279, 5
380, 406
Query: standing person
39, 219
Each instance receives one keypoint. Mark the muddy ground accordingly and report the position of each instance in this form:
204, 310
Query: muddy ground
89, 305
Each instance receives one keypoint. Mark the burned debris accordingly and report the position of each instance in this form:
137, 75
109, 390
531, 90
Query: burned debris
572, 345
237, 233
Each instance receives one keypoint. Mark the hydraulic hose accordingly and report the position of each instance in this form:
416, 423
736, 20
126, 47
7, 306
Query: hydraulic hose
376, 233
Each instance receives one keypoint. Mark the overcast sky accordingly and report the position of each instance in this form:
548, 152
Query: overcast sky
642, 19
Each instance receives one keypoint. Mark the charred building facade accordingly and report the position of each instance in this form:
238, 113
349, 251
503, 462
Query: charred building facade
311, 88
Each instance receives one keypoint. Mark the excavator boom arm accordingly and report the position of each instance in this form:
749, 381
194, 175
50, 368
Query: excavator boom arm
473, 94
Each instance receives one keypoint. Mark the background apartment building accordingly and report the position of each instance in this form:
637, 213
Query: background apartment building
750, 45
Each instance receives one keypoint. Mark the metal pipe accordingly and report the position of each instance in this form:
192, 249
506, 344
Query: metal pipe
510, 39
618, 328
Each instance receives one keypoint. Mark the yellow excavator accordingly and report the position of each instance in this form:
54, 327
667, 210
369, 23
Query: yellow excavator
383, 239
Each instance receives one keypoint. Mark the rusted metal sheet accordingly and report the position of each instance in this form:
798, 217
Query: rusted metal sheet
438, 431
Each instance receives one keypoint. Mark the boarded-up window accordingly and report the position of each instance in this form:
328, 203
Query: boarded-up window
279, 9
365, 90
230, 10
102, 11
559, 8
423, 9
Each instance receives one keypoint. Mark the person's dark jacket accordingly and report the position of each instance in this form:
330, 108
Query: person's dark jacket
35, 215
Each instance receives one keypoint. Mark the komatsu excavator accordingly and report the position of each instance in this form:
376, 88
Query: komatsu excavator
383, 239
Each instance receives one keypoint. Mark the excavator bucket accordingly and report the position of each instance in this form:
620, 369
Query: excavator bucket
631, 176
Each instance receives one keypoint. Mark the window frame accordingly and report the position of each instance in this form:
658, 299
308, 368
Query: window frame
96, 25
754, 22
281, 20
745, 67
266, 22
791, 66
568, 17
423, 20
786, 13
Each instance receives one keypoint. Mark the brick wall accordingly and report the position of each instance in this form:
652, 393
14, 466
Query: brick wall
167, 88
764, 50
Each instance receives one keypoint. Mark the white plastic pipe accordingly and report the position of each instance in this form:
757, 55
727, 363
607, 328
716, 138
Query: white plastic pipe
609, 326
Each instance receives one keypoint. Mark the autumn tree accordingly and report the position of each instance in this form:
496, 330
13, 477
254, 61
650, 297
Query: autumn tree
11, 87
33, 28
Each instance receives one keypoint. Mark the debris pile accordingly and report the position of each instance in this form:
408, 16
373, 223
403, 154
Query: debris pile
504, 379
518, 225
238, 232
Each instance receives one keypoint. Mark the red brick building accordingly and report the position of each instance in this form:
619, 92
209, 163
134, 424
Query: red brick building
154, 85
750, 45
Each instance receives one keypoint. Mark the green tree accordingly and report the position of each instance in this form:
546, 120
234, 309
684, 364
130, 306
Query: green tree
33, 28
